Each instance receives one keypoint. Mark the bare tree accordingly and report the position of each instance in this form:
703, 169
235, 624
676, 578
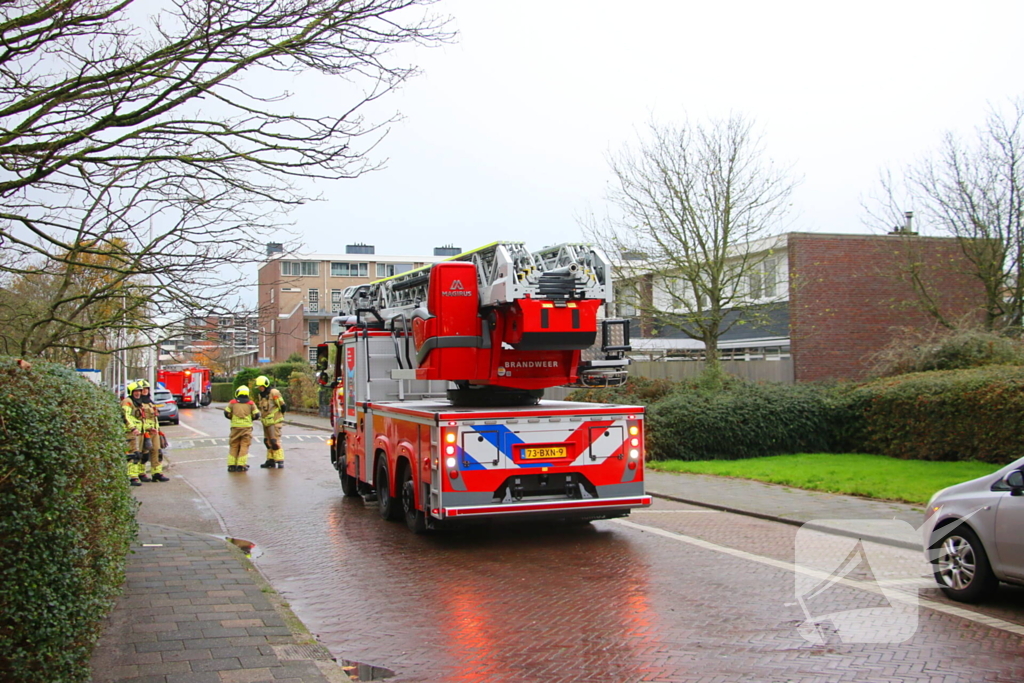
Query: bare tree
973, 191
698, 204
159, 151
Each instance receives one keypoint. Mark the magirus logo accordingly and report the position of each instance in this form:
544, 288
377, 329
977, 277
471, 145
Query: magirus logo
456, 288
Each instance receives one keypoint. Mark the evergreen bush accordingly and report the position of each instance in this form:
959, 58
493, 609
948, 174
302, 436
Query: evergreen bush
66, 520
222, 392
636, 391
742, 420
972, 414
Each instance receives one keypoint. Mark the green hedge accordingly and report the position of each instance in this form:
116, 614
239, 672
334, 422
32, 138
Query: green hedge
222, 392
636, 390
975, 414
742, 420
66, 520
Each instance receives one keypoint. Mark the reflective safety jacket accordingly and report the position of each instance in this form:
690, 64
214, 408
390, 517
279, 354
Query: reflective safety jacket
150, 416
270, 407
241, 412
132, 414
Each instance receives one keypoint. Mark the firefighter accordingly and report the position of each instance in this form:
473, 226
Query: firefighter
152, 453
131, 407
272, 407
241, 411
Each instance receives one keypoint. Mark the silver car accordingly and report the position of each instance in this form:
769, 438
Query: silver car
974, 534
167, 409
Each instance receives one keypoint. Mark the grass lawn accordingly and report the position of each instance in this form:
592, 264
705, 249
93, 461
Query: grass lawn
873, 476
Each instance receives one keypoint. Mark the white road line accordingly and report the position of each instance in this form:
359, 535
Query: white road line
671, 512
869, 586
185, 462
193, 429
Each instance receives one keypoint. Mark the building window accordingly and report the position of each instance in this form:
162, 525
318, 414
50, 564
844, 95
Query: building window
761, 282
314, 299
350, 269
389, 269
312, 355
300, 268
314, 328
335, 301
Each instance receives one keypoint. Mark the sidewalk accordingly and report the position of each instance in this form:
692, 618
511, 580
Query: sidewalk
195, 610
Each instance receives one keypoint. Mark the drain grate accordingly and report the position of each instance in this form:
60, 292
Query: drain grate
314, 651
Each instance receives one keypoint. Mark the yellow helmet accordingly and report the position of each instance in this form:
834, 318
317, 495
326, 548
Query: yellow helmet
142, 384
134, 386
262, 381
241, 391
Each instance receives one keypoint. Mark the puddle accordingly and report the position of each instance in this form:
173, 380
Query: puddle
358, 671
247, 547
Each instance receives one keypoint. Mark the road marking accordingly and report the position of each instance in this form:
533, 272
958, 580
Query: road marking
669, 512
194, 429
869, 586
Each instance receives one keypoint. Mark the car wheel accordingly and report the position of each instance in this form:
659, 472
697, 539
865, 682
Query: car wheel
349, 485
961, 566
175, 421
387, 505
414, 519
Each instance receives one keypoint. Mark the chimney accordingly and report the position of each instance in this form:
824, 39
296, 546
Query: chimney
906, 228
274, 248
447, 250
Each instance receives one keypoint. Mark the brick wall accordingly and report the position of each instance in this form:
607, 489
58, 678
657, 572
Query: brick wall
850, 295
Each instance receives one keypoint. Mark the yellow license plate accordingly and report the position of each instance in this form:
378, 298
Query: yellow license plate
544, 453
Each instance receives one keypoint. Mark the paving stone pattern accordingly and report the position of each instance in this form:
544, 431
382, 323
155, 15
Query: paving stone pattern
193, 611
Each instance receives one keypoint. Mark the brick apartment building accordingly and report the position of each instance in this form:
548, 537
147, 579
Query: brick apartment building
830, 302
300, 293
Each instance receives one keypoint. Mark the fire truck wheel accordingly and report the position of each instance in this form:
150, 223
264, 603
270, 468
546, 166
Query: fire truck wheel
349, 485
387, 505
414, 518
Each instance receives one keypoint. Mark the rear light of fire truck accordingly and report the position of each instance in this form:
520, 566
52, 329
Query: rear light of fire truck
634, 444
449, 436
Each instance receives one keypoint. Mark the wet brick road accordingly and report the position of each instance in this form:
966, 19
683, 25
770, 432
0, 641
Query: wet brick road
675, 593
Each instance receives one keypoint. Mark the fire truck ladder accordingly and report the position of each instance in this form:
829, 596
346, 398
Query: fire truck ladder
507, 271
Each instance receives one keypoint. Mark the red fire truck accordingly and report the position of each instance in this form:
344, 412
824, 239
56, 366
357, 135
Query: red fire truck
189, 384
437, 376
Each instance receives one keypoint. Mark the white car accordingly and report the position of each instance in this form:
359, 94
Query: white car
974, 534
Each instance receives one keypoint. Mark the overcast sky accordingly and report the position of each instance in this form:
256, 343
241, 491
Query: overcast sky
507, 133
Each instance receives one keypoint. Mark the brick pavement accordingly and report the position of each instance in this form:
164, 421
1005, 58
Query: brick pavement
194, 610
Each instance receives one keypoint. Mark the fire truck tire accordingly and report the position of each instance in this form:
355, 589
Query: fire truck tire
349, 485
414, 519
388, 506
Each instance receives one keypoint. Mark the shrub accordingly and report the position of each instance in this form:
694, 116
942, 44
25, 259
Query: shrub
741, 420
303, 393
246, 376
66, 519
943, 415
222, 392
947, 350
636, 390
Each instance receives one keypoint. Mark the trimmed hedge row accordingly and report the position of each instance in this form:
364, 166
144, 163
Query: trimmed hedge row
66, 519
975, 414
742, 420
